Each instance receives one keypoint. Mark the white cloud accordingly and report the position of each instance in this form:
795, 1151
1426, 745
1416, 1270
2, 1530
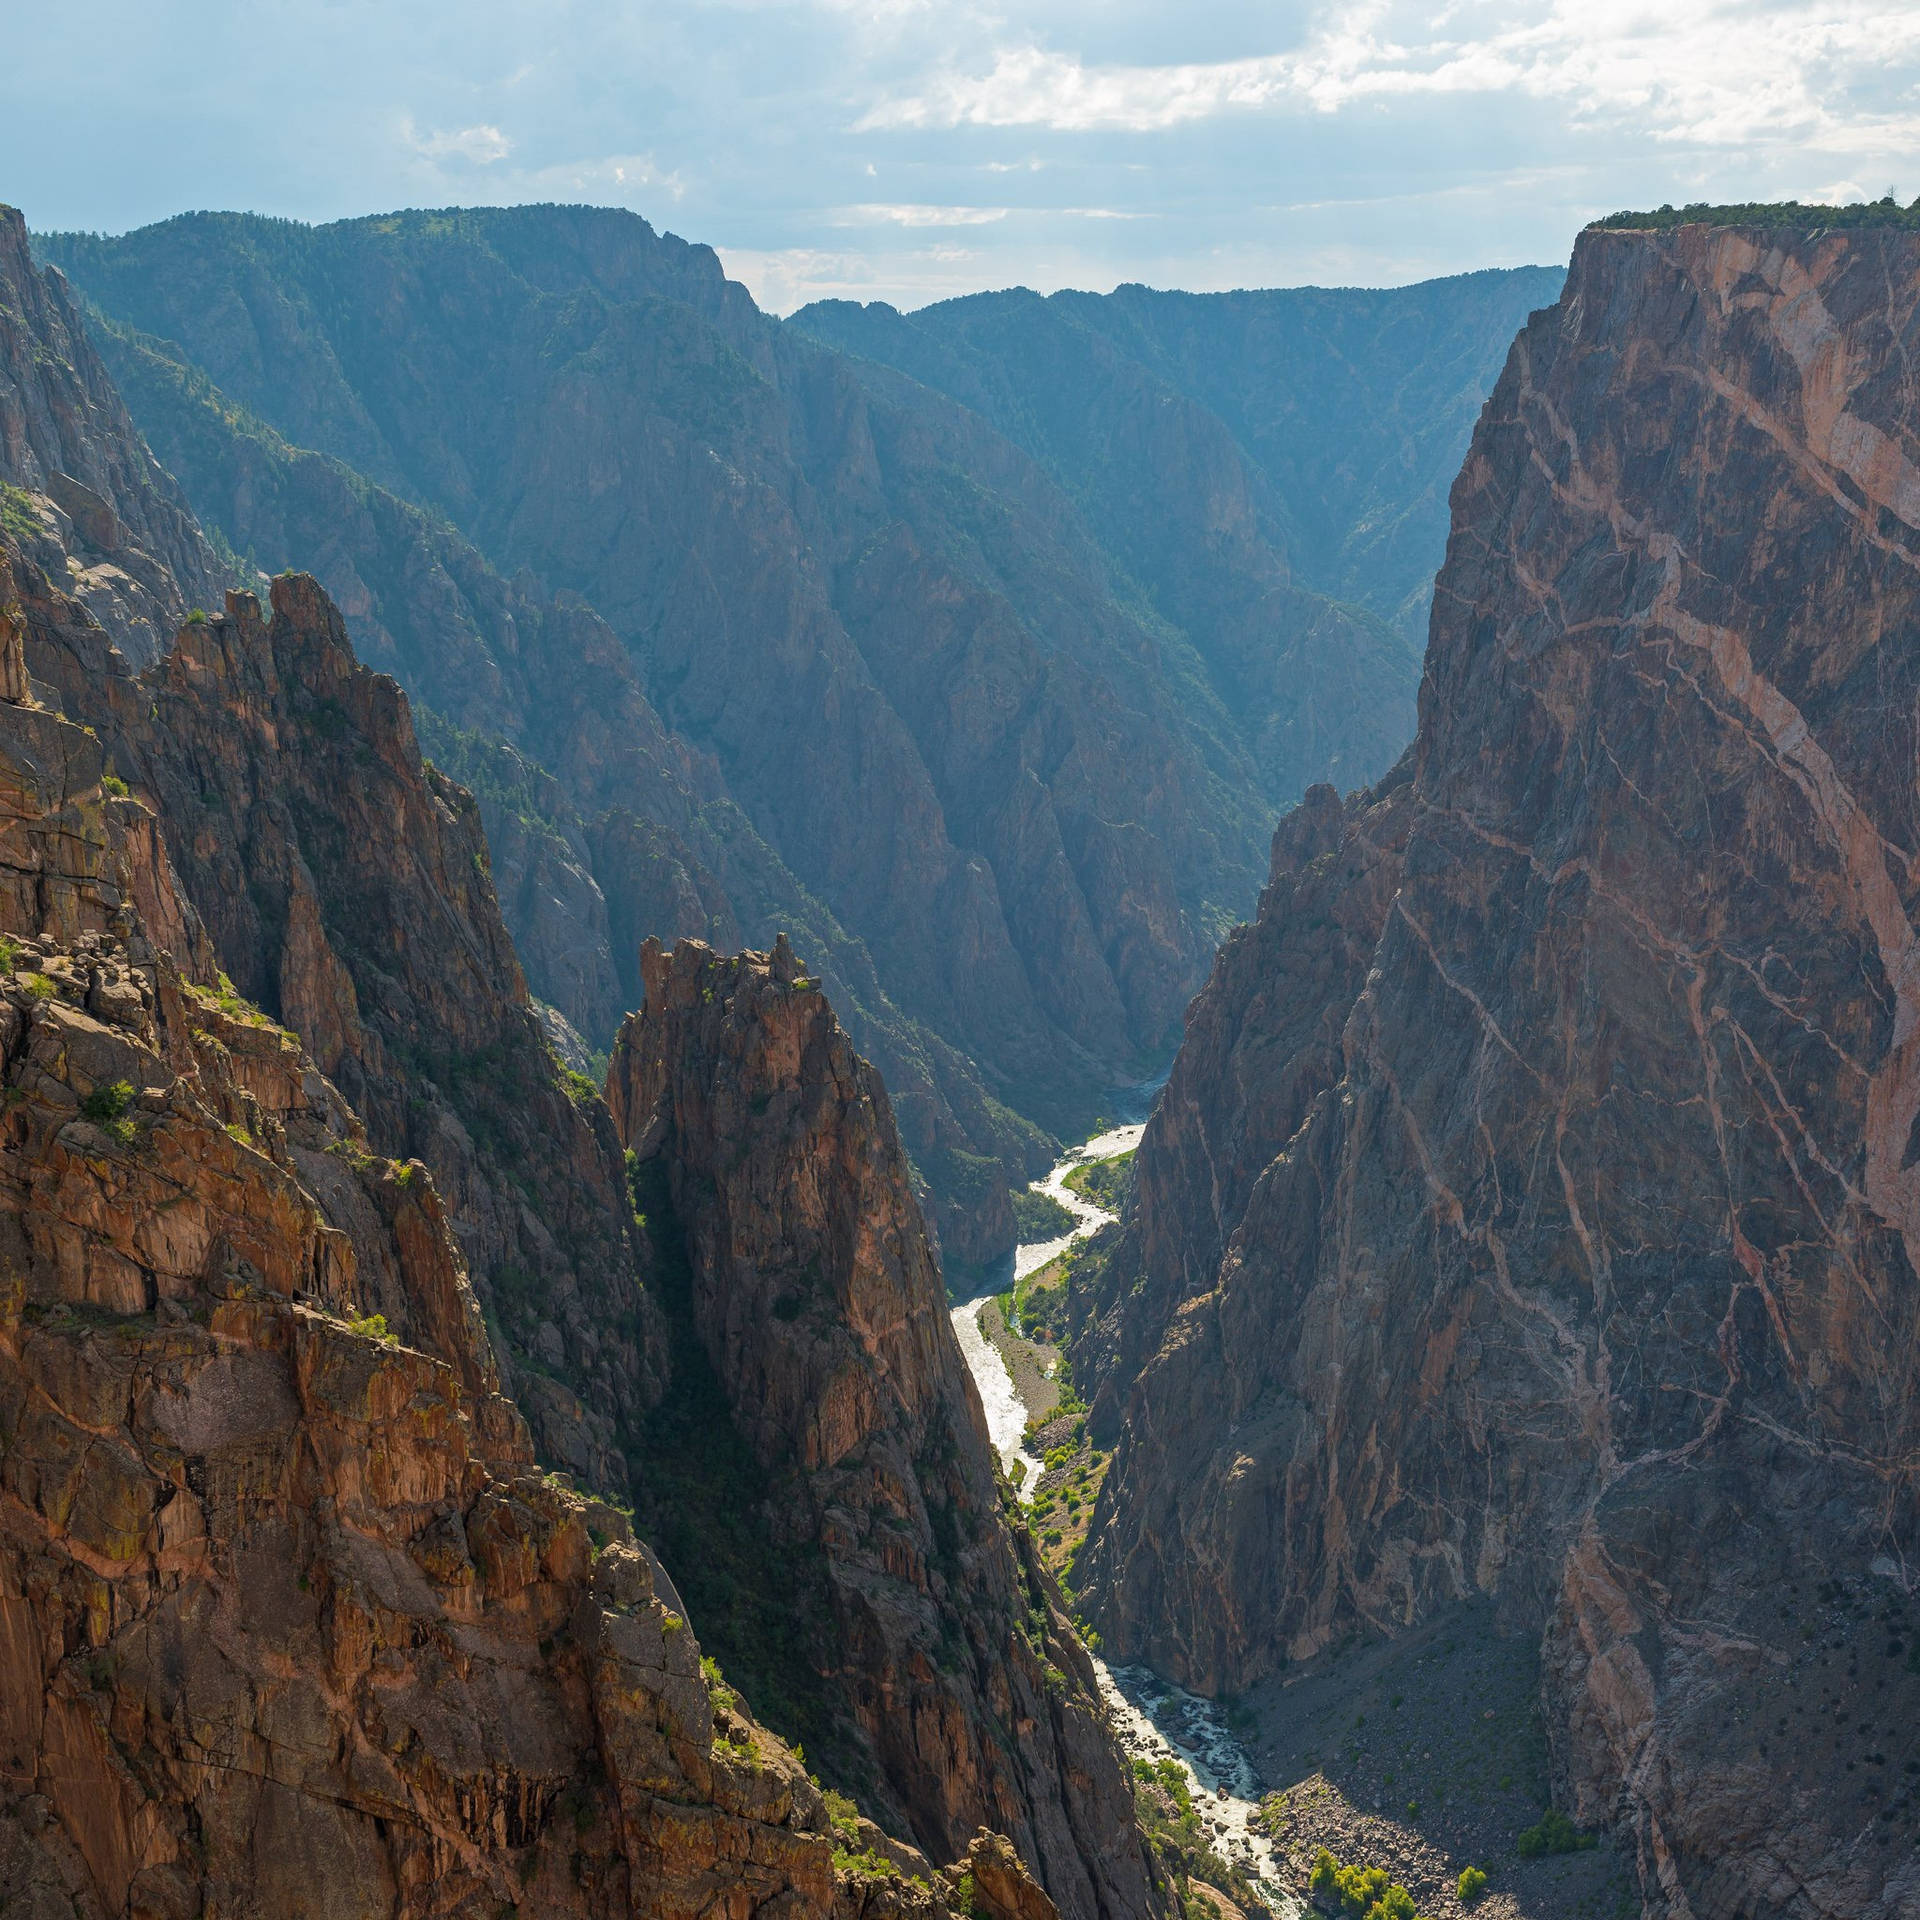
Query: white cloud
620, 177
481, 145
1712, 72
917, 216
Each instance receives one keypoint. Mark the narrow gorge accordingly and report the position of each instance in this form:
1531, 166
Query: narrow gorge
574, 860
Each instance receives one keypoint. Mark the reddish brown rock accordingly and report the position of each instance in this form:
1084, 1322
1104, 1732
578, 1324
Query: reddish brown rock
345, 888
289, 1622
820, 1309
1582, 1270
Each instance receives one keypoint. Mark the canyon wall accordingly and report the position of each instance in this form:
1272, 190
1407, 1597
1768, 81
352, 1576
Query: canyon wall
333, 1193
1533, 1207
81, 489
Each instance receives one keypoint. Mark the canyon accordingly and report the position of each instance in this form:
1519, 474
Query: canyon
570, 850
732, 632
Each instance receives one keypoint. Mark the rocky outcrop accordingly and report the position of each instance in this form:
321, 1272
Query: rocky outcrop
345, 889
1581, 1270
288, 1621
813, 1294
82, 491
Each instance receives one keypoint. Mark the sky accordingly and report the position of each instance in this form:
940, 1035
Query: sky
910, 150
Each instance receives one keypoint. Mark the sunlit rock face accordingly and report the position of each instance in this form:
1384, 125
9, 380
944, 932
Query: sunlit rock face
1534, 1206
957, 1683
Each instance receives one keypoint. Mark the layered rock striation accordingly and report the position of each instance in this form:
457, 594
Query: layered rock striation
769, 1150
1533, 1208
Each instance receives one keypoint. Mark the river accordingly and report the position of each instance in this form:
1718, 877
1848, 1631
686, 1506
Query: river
1154, 1719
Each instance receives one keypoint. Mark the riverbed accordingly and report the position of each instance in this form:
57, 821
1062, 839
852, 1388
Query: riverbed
1154, 1719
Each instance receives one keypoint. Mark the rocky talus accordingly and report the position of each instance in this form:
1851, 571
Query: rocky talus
289, 1622
1534, 1207
804, 1270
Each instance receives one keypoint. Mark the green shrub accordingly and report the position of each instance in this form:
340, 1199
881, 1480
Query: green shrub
866, 1866
1325, 1877
1553, 1833
107, 1106
108, 1102
719, 1693
843, 1814
1471, 1885
374, 1327
1365, 1893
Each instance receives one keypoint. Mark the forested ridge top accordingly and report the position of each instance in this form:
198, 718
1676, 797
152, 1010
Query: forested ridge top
1799, 214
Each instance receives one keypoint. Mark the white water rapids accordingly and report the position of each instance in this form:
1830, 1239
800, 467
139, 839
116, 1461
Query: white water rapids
1154, 1719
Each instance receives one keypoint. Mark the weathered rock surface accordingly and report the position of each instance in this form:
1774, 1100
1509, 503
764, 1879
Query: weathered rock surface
816, 1299
346, 891
289, 1623
87, 496
1532, 1210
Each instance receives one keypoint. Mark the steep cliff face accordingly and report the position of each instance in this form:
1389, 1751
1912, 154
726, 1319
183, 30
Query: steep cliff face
288, 1621
1582, 1270
807, 1279
82, 491
345, 889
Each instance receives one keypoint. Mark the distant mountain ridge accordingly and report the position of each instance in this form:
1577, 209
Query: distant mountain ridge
1349, 406
802, 643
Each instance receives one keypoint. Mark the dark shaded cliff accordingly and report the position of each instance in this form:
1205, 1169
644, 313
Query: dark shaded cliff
949, 1675
1532, 1209
79, 484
